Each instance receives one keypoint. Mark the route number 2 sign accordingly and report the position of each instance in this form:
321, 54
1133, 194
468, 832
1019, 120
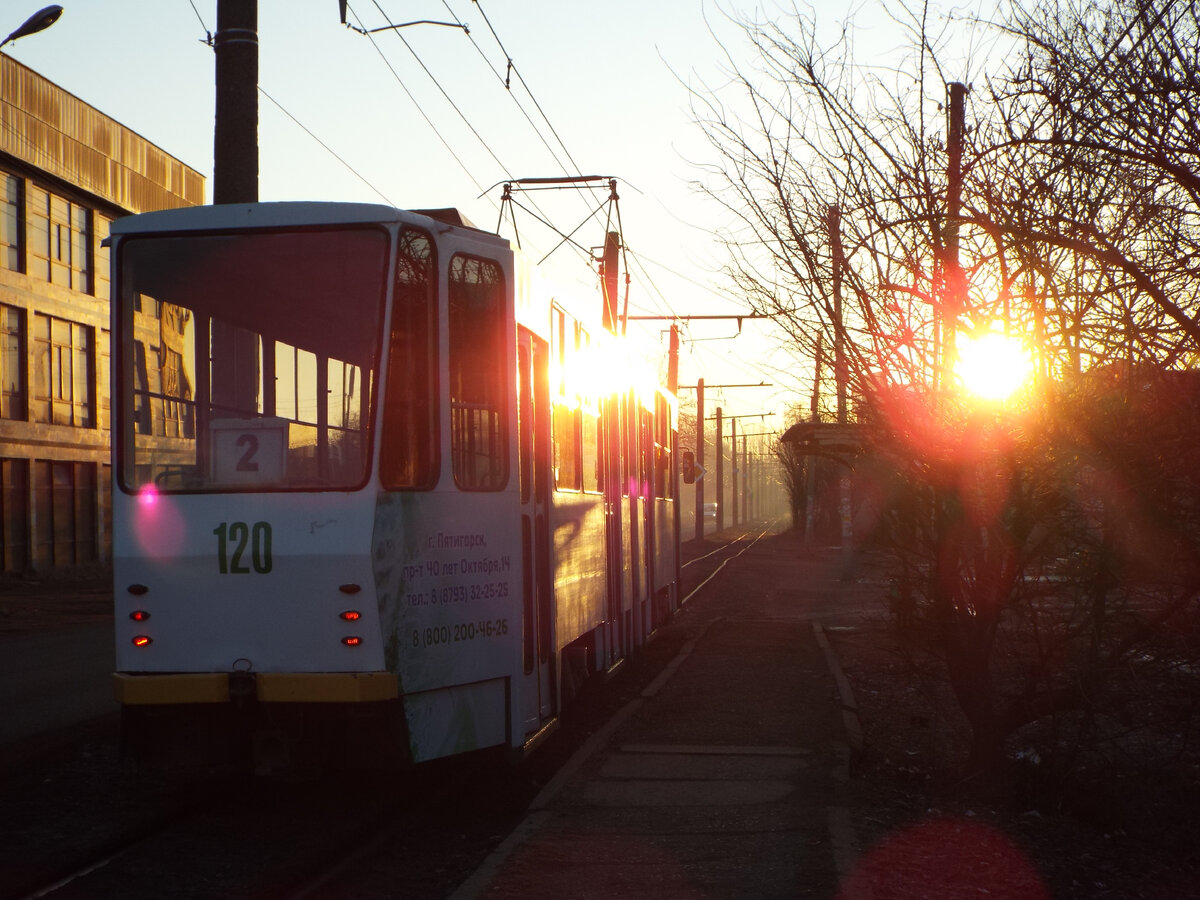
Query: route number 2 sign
249, 451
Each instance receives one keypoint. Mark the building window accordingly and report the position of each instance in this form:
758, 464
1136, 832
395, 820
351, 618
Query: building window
10, 221
12, 363
62, 367
14, 513
478, 386
64, 500
59, 240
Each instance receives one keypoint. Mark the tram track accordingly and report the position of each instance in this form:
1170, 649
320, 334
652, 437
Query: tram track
276, 840
723, 552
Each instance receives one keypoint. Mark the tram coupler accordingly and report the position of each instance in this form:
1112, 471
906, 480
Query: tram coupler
242, 690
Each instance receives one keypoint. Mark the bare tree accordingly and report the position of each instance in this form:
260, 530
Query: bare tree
806, 132
1077, 227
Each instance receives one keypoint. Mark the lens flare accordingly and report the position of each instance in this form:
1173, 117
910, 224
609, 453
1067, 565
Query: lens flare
157, 524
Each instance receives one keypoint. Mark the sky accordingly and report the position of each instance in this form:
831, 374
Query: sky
421, 118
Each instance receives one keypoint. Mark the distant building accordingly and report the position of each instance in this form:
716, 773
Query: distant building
66, 171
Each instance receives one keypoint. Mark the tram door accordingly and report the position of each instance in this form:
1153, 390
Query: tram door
649, 552
635, 547
615, 561
533, 423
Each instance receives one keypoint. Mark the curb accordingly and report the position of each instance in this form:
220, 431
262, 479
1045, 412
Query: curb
853, 726
843, 837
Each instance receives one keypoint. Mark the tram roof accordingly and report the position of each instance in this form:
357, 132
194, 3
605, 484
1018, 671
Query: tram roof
281, 214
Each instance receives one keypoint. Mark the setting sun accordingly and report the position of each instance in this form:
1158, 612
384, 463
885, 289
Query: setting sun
992, 365
605, 366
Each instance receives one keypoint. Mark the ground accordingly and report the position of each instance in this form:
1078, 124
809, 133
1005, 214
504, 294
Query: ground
923, 831
927, 832
65, 597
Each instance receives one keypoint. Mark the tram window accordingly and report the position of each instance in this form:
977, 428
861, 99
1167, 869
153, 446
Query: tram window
590, 447
232, 376
346, 415
662, 447
409, 455
566, 448
478, 386
141, 389
295, 383
525, 419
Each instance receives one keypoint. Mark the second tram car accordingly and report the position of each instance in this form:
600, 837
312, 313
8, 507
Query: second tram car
359, 478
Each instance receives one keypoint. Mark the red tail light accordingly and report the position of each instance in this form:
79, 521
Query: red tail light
142, 640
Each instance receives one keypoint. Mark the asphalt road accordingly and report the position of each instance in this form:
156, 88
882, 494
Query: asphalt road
55, 679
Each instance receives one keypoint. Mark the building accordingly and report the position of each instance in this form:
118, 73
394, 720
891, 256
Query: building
66, 171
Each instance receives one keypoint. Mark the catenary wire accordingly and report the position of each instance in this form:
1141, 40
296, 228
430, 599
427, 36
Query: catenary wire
528, 118
396, 75
327, 148
537, 105
506, 81
453, 105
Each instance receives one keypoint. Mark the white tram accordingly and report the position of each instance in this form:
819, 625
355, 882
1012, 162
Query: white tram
357, 480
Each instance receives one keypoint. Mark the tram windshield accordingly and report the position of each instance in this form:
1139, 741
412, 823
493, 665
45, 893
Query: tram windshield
248, 361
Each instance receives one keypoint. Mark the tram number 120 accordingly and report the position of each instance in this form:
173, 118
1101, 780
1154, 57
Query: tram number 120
234, 539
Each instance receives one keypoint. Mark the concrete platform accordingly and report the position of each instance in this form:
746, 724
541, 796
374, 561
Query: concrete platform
723, 779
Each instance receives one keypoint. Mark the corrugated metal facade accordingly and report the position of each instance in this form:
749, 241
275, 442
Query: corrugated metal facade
66, 171
56, 132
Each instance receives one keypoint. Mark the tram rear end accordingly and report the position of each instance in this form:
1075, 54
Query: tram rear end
272, 595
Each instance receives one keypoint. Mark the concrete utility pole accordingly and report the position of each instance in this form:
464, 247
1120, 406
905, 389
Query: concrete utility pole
673, 361
757, 505
845, 500
733, 464
720, 446
810, 481
746, 481
733, 461
699, 535
235, 180
235, 134
954, 288
839, 332
610, 281
700, 386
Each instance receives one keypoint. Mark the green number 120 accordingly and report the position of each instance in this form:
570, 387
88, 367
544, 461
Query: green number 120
234, 539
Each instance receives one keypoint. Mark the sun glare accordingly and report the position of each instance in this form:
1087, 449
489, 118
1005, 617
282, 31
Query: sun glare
605, 367
993, 366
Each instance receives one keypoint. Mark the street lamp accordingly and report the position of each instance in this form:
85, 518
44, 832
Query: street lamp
39, 21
